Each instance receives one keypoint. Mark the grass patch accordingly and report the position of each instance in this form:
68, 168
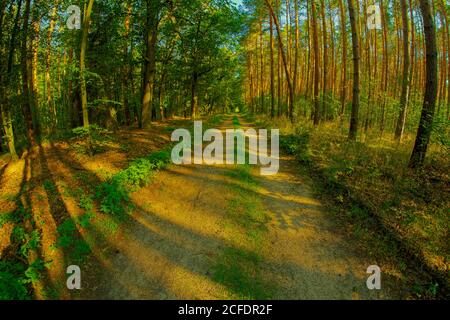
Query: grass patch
71, 241
236, 122
238, 270
215, 120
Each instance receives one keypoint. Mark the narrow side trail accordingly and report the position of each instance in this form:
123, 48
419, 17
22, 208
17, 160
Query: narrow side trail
221, 232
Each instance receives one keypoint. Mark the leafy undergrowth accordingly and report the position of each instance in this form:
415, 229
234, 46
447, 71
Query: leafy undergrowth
18, 270
399, 211
114, 194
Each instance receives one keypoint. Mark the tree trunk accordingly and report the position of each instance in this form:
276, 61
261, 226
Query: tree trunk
261, 55
84, 40
316, 64
344, 57
272, 80
26, 97
194, 97
48, 58
5, 108
34, 87
296, 50
126, 57
385, 66
325, 61
355, 45
405, 78
429, 104
285, 62
151, 38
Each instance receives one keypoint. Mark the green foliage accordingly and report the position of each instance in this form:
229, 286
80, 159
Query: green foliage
85, 220
441, 134
86, 202
8, 217
113, 197
114, 194
91, 139
238, 270
13, 281
34, 271
215, 120
31, 242
70, 240
14, 274
297, 145
50, 187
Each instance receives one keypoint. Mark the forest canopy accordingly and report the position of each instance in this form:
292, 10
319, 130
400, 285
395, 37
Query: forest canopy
129, 63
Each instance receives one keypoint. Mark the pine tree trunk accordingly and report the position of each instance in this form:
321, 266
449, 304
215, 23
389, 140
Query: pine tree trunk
151, 38
316, 63
272, 80
405, 78
356, 59
344, 57
429, 104
48, 58
325, 62
26, 97
84, 40
285, 62
385, 67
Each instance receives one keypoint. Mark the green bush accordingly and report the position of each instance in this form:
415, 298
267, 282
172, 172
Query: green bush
297, 145
13, 281
114, 194
441, 133
93, 139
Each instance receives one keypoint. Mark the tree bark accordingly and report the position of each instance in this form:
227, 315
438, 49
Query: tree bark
385, 66
429, 103
344, 57
26, 97
48, 57
325, 61
5, 109
285, 62
355, 45
194, 97
316, 64
272, 80
84, 40
406, 70
151, 38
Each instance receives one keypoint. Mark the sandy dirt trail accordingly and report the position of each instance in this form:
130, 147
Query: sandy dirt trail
178, 231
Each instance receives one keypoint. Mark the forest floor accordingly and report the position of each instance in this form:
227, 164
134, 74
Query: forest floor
195, 232
216, 232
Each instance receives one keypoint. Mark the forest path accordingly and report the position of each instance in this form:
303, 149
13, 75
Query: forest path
220, 232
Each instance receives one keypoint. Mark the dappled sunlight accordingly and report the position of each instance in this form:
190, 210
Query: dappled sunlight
190, 204
11, 183
155, 253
